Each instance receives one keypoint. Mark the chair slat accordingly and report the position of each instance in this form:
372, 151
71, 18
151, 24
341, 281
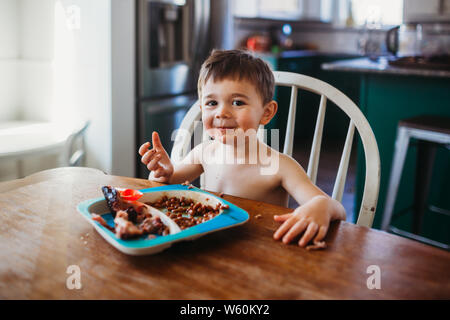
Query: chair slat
314, 156
289, 139
339, 184
261, 134
205, 137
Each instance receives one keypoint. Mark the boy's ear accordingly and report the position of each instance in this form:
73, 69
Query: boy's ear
270, 109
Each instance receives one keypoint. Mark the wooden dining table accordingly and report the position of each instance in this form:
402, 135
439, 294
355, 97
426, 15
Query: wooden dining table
42, 235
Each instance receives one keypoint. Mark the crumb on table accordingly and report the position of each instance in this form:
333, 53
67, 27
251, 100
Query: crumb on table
317, 246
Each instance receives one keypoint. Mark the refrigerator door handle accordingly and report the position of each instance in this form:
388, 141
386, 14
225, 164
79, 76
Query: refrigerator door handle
201, 17
174, 2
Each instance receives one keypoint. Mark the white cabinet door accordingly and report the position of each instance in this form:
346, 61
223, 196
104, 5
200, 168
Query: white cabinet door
429, 10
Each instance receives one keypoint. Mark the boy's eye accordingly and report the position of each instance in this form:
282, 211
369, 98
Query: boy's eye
211, 103
238, 103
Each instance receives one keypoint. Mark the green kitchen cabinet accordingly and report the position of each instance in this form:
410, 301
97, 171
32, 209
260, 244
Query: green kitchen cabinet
385, 100
336, 122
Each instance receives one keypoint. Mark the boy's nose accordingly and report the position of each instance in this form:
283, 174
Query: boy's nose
223, 112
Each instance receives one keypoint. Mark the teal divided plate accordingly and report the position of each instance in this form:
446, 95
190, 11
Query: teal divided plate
227, 218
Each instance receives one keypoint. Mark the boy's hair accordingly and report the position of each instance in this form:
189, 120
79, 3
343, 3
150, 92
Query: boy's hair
241, 65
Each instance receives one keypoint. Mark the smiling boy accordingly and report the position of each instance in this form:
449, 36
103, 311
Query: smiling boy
235, 93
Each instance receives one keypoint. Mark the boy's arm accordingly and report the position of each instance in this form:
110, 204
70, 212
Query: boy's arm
316, 208
189, 169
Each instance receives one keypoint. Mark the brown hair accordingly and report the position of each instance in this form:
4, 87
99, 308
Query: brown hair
241, 65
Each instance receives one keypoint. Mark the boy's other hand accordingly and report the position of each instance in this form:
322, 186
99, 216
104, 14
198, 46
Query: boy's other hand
157, 160
312, 219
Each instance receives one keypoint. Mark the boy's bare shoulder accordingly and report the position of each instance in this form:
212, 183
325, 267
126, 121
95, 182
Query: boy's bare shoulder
288, 164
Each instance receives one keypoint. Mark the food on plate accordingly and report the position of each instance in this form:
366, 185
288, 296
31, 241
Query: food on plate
133, 219
99, 219
185, 212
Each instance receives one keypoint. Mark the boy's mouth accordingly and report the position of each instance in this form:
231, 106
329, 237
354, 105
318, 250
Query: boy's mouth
224, 130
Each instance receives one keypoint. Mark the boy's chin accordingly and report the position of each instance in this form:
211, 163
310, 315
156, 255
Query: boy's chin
226, 139
234, 139
231, 137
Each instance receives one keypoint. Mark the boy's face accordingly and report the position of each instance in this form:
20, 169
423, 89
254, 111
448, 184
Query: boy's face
232, 106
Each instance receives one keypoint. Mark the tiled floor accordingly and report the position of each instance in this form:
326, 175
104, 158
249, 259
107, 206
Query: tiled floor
328, 166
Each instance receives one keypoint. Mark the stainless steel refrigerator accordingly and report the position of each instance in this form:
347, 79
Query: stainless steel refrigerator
173, 39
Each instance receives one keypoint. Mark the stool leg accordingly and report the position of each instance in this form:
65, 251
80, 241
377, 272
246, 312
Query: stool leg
401, 147
426, 152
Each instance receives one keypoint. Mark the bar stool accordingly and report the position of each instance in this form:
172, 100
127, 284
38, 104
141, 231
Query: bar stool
430, 132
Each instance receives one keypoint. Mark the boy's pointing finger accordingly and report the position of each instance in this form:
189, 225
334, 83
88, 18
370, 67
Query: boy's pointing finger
156, 141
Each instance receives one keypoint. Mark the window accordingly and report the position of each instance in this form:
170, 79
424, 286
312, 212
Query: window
279, 9
377, 12
359, 12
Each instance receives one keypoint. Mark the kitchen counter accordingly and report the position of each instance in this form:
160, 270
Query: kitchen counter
286, 54
365, 65
312, 53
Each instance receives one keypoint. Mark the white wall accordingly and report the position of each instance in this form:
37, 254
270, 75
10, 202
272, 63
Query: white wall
49, 71
9, 51
35, 38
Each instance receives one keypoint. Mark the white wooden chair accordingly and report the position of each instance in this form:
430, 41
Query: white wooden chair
327, 92
22, 139
74, 154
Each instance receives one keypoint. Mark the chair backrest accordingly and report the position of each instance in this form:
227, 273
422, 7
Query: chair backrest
357, 120
74, 154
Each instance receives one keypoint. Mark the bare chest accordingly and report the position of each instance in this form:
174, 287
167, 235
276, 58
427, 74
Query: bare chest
245, 181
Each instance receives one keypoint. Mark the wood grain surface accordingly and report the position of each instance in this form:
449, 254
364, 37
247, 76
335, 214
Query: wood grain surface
41, 234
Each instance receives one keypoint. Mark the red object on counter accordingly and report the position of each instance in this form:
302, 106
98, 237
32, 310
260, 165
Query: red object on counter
258, 43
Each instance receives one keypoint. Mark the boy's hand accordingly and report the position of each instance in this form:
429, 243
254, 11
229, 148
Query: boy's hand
313, 218
157, 160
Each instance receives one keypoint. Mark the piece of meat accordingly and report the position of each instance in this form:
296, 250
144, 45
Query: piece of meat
132, 214
99, 219
126, 229
152, 225
112, 197
317, 246
115, 203
136, 205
